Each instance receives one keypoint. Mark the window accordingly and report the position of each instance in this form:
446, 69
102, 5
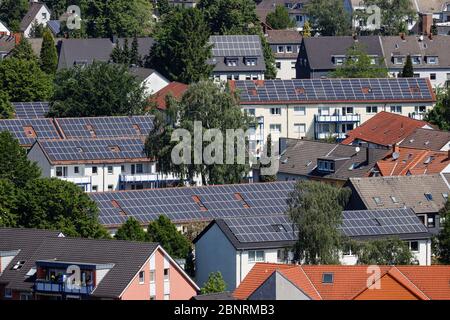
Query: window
8, 293
76, 170
275, 111
167, 297
299, 111
293, 66
445, 196
324, 111
248, 77
275, 128
280, 49
420, 109
152, 276
299, 128
371, 109
139, 168
289, 49
299, 18
338, 61
231, 62
122, 168
377, 201
399, 60
256, 256
416, 59
431, 222
166, 274
281, 256
141, 277
250, 112
394, 199
44, 15
94, 188
429, 196
432, 60
278, 65
414, 246
94, 170
396, 109
250, 62
346, 127
110, 169
325, 165
110, 187
347, 110
327, 278
26, 296
61, 171
432, 76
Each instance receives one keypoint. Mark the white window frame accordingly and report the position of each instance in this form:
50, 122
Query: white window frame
253, 256
275, 128
299, 111
166, 277
142, 277
152, 276
275, 111
298, 127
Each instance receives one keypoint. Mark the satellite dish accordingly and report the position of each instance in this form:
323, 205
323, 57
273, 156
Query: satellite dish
357, 149
395, 155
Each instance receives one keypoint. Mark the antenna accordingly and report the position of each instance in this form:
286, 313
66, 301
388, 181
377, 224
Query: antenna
395, 155
357, 149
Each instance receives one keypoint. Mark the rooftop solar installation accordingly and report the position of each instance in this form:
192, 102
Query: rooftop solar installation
105, 127
236, 46
311, 90
28, 130
30, 110
194, 203
94, 149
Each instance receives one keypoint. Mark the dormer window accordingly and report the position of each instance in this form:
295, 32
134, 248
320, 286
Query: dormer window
416, 59
338, 60
399, 60
326, 165
280, 49
231, 62
432, 60
250, 61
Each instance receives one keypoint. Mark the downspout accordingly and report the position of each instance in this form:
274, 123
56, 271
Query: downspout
287, 120
103, 178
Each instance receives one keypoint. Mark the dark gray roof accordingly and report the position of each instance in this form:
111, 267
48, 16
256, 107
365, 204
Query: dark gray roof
320, 50
31, 14
408, 191
141, 73
284, 37
439, 47
85, 51
236, 46
300, 158
427, 139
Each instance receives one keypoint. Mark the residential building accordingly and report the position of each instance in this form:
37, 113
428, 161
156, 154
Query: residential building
4, 29
426, 139
237, 57
296, 9
319, 56
429, 56
38, 14
328, 162
426, 195
186, 206
433, 12
245, 241
285, 45
386, 129
7, 43
42, 267
174, 89
152, 81
325, 108
268, 281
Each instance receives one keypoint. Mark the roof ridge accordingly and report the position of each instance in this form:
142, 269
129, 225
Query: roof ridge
406, 278
312, 284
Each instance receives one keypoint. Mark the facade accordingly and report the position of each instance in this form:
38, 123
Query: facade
152, 81
237, 57
243, 242
110, 269
426, 195
285, 45
296, 10
324, 108
4, 30
38, 14
268, 281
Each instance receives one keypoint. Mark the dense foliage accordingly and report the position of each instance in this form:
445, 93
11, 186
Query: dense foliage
131, 230
6, 109
280, 19
443, 239
48, 55
390, 251
408, 69
12, 12
393, 15
329, 17
214, 284
440, 114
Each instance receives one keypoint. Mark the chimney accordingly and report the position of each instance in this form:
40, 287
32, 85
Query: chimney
368, 155
395, 148
426, 21
448, 154
402, 35
17, 37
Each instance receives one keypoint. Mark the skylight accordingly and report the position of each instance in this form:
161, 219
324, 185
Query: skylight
327, 278
377, 201
429, 196
394, 199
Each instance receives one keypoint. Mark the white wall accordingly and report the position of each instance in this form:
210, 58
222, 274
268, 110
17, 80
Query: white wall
39, 20
287, 70
154, 83
4, 29
442, 75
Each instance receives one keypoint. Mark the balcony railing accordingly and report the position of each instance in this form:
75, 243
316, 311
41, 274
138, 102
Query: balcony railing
146, 177
326, 135
417, 116
338, 118
77, 180
47, 286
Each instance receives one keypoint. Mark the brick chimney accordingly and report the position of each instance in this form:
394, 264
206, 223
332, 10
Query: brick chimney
17, 37
426, 21
395, 148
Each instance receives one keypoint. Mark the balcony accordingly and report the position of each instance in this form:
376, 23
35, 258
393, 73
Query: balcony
417, 116
326, 135
61, 287
77, 180
146, 177
349, 118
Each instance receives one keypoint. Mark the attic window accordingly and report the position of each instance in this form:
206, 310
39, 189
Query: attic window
18, 265
354, 166
91, 130
394, 199
366, 90
79, 150
445, 196
327, 278
239, 197
429, 196
29, 132
279, 228
114, 148
137, 129
377, 201
199, 203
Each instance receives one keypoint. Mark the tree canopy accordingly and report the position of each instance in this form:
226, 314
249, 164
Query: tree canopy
316, 210
12, 12
6, 108
49, 55
280, 19
394, 14
214, 284
329, 17
440, 114
390, 251
23, 50
443, 239
100, 89
131, 230
408, 69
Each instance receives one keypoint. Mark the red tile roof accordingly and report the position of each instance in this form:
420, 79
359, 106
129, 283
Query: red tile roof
385, 129
175, 89
350, 282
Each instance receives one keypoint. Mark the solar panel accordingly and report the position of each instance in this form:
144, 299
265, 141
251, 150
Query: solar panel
415, 89
105, 127
94, 149
236, 46
28, 130
30, 110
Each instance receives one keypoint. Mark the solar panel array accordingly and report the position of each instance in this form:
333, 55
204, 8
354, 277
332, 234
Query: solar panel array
236, 46
179, 206
399, 89
381, 222
105, 127
30, 110
94, 149
20, 129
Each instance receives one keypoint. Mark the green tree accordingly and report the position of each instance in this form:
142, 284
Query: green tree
443, 239
268, 154
306, 30
408, 69
215, 284
316, 210
59, 205
358, 64
6, 108
440, 114
23, 50
181, 50
135, 59
131, 230
100, 89
37, 30
166, 234
393, 14
117, 55
49, 56
163, 7
14, 164
269, 58
12, 12
280, 19
24, 81
390, 251
8, 203
328, 17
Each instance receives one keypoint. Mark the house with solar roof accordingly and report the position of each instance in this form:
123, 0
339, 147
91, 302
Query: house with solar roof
38, 14
237, 57
246, 241
323, 108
